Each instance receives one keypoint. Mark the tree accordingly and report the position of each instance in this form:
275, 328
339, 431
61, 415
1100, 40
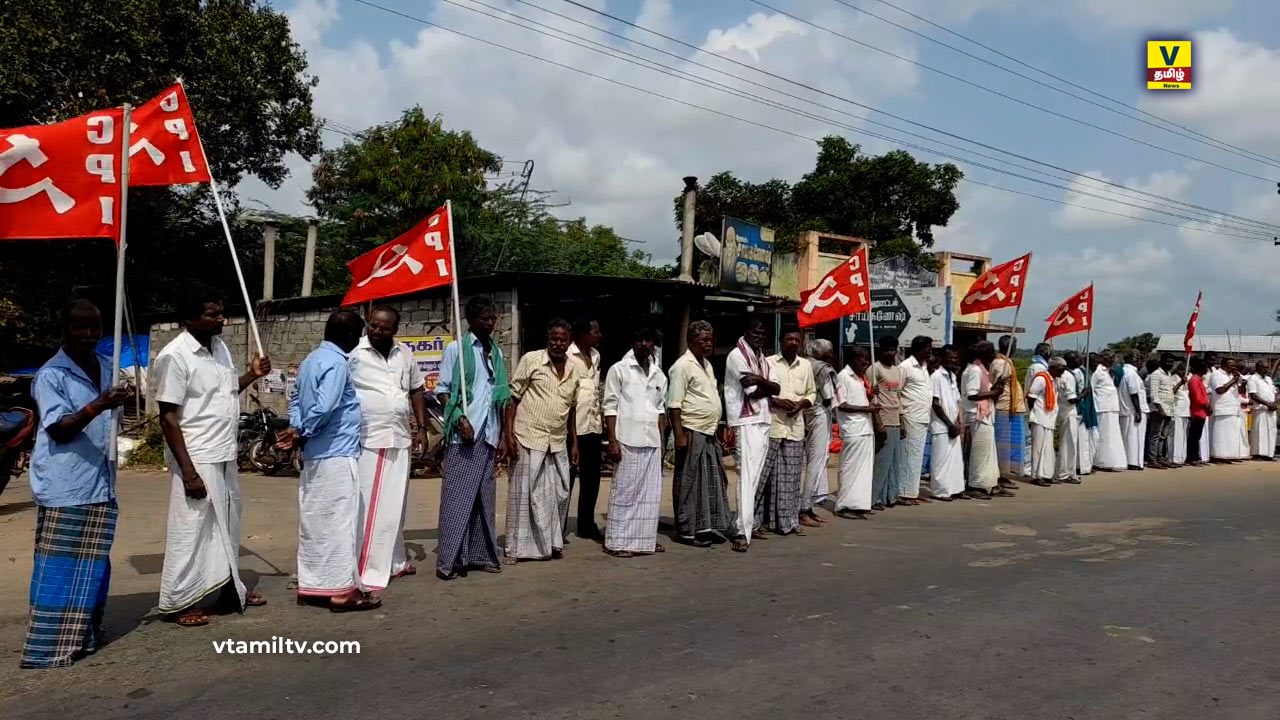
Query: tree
251, 97
1144, 343
893, 199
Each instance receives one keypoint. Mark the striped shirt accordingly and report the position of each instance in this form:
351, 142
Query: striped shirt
590, 392
795, 378
692, 389
545, 401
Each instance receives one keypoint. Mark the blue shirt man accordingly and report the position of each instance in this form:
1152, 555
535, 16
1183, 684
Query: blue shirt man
324, 408
78, 471
482, 413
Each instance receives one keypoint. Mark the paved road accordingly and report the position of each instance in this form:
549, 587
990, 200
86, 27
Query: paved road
1147, 595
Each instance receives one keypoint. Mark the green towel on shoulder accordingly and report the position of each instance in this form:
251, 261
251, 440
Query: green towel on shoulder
465, 371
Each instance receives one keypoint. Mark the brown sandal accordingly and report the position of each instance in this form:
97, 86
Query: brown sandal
253, 599
194, 617
619, 553
658, 548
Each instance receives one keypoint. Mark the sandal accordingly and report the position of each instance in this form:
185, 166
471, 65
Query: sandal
253, 599
758, 534
194, 617
619, 553
364, 603
409, 569
740, 546
658, 548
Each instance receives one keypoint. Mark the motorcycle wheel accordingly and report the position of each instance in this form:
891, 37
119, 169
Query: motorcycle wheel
262, 457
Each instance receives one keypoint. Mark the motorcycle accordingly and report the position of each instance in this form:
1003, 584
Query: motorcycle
428, 463
17, 429
258, 434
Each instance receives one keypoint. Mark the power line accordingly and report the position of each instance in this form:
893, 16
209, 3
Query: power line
1058, 79
900, 118
706, 109
1191, 135
1006, 96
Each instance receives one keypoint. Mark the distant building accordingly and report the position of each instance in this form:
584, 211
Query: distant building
1253, 347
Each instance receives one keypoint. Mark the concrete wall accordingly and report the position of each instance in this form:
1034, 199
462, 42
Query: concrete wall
289, 336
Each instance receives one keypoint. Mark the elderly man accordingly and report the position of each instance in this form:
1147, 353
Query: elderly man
1224, 430
748, 386
1011, 416
474, 368
634, 416
815, 488
1262, 391
1160, 386
73, 482
1133, 408
1086, 414
886, 384
1042, 411
1110, 456
946, 455
698, 485
857, 433
390, 388
541, 425
916, 396
325, 418
977, 398
778, 498
196, 387
590, 426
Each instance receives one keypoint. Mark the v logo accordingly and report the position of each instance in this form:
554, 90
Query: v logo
1169, 58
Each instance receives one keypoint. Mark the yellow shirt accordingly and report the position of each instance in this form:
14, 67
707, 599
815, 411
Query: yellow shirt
796, 381
546, 399
692, 389
587, 417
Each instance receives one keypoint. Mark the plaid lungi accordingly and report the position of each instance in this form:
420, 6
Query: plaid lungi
468, 496
69, 583
778, 496
1011, 444
635, 500
701, 501
537, 493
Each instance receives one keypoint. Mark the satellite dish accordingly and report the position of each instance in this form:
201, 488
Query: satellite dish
707, 243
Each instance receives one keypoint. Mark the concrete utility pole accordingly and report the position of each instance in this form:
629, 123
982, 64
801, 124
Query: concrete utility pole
686, 229
268, 262
309, 260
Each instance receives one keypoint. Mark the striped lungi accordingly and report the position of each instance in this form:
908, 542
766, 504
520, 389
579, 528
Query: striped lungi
635, 500
468, 497
537, 494
1012, 439
69, 583
778, 495
699, 488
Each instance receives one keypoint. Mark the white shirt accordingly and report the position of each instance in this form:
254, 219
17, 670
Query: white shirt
587, 420
851, 391
795, 380
1066, 386
735, 366
204, 384
1131, 385
1228, 403
1181, 400
916, 393
1160, 391
637, 398
382, 386
1105, 397
971, 384
1041, 415
943, 387
1263, 388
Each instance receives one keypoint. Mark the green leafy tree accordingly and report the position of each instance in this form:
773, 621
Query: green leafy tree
891, 199
1145, 343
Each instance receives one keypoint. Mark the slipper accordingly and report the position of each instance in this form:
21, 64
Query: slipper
357, 606
191, 618
491, 569
758, 535
740, 546
619, 553
253, 599
509, 561
658, 548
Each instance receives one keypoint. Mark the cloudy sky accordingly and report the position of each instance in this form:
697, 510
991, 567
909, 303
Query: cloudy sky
617, 154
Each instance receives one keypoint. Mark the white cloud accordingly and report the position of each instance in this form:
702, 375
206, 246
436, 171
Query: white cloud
1152, 14
1077, 218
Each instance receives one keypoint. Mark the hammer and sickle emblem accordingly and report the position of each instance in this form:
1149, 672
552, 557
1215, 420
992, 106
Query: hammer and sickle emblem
23, 148
816, 300
385, 266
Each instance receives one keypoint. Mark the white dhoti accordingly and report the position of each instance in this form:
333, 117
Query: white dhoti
1245, 424
753, 448
1068, 438
1132, 434
984, 466
1262, 436
857, 467
815, 484
1206, 440
384, 491
912, 458
1086, 439
537, 496
328, 539
1226, 437
1110, 454
1178, 450
202, 538
946, 465
1043, 458
635, 501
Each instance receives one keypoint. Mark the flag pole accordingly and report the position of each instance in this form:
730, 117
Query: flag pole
121, 245
457, 308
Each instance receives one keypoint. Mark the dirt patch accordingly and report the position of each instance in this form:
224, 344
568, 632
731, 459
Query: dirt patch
1119, 528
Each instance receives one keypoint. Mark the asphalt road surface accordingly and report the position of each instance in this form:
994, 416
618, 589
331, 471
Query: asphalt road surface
1152, 595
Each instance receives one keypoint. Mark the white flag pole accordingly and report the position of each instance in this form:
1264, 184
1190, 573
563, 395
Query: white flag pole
121, 245
457, 308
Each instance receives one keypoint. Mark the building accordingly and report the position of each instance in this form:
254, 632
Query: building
1251, 347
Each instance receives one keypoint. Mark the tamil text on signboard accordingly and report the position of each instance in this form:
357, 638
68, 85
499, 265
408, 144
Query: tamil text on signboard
903, 313
746, 258
428, 351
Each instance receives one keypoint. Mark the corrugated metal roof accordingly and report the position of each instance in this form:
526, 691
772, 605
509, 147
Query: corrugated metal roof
1247, 344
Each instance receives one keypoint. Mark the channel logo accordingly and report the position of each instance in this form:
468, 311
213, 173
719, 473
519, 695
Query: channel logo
1168, 64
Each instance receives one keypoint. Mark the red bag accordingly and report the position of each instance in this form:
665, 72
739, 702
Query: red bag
836, 443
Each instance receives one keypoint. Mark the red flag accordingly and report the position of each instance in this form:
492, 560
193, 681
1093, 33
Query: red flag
61, 180
1191, 324
417, 260
1075, 314
164, 148
999, 287
844, 291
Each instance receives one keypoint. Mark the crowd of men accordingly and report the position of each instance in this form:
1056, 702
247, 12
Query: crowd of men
940, 425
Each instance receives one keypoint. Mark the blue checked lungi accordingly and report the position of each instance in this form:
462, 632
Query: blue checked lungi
69, 583
1012, 438
468, 507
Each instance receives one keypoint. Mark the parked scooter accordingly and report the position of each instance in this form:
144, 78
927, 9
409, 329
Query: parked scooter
258, 435
17, 428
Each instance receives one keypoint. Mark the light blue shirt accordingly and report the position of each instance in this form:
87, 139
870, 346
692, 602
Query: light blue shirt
76, 472
481, 413
324, 408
